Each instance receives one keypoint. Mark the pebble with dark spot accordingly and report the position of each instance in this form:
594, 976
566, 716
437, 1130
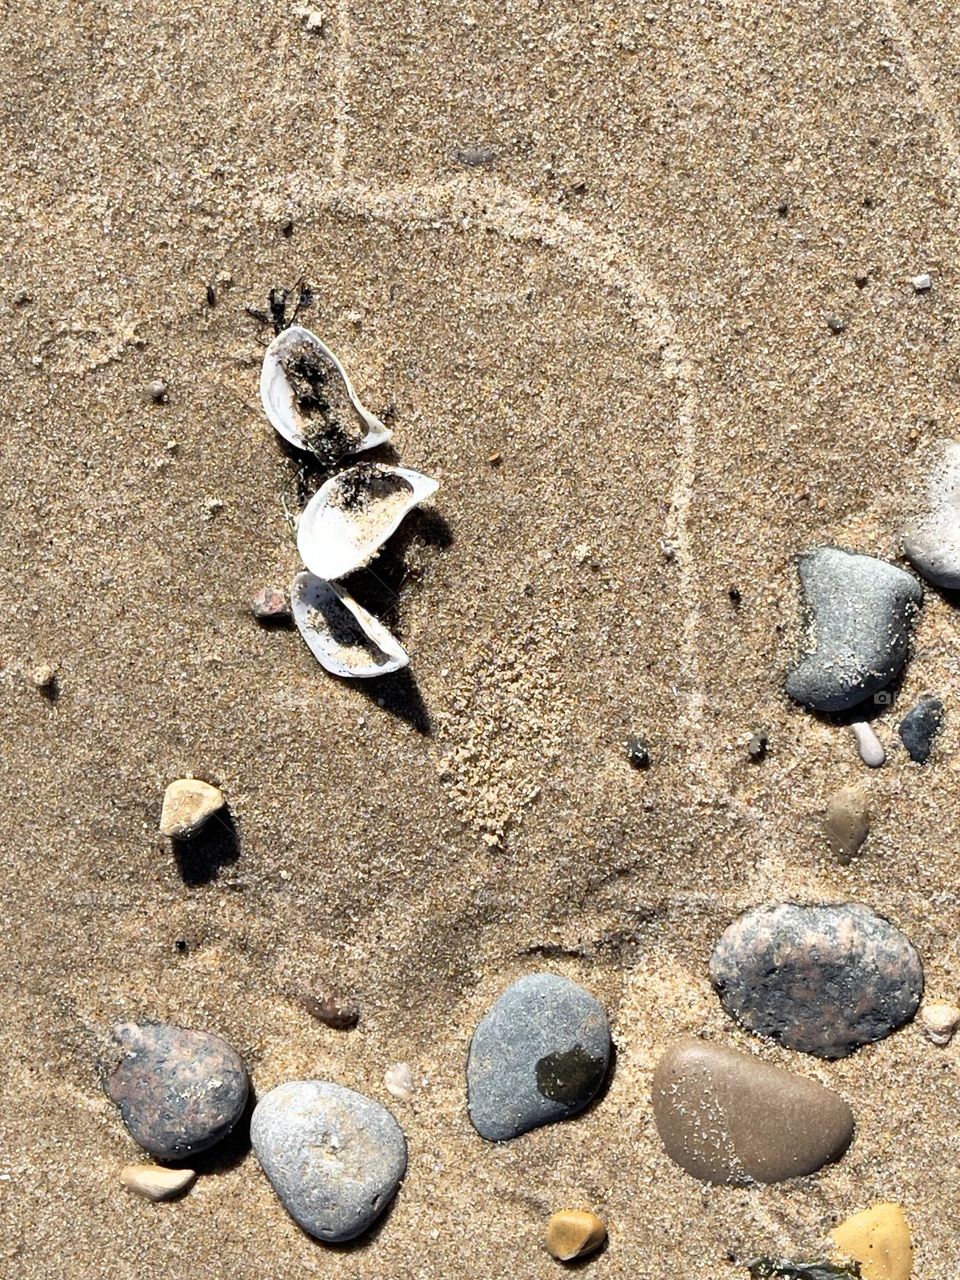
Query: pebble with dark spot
822, 979
179, 1091
729, 1117
541, 1054
638, 753
920, 726
860, 612
334, 1157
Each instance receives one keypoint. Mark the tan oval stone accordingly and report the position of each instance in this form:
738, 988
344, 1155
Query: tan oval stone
187, 804
879, 1239
847, 822
154, 1182
572, 1233
729, 1117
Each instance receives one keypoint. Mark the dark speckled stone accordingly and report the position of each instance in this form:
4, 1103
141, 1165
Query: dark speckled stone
920, 726
541, 1054
179, 1091
822, 979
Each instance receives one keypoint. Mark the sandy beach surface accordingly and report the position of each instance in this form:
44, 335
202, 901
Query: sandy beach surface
583, 256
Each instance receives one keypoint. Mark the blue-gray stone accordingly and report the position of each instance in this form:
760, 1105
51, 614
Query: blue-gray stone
931, 541
920, 726
334, 1157
860, 612
541, 1054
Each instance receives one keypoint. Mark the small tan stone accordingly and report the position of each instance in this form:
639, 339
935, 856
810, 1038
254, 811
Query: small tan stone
187, 804
847, 822
572, 1233
879, 1239
939, 1022
154, 1182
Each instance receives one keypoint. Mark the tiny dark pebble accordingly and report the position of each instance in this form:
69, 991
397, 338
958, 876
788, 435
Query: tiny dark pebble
920, 726
835, 324
638, 753
736, 596
211, 296
758, 745
179, 1091
783, 209
861, 281
286, 228
21, 297
341, 1015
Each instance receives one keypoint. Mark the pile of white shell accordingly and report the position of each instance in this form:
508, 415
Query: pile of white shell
310, 400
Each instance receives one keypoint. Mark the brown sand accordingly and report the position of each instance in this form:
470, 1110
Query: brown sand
616, 306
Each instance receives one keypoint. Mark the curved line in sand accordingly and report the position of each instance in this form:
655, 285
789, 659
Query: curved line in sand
516, 217
901, 36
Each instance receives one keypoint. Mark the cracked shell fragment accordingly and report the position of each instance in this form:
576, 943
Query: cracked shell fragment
310, 400
343, 637
351, 516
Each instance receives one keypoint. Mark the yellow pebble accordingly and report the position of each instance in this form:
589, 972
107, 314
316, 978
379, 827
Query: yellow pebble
879, 1239
571, 1233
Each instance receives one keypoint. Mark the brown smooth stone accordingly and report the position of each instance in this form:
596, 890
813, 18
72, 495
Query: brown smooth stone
847, 822
728, 1117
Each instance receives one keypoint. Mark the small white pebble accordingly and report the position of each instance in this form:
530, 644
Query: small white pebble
939, 1022
869, 745
921, 284
399, 1081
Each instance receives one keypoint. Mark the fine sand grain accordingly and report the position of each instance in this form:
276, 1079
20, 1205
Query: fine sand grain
599, 240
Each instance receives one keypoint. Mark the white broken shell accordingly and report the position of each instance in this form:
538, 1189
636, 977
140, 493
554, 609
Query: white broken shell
341, 634
350, 517
310, 400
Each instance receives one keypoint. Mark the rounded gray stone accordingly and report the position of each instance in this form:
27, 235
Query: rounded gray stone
859, 615
931, 540
179, 1091
334, 1157
540, 1054
822, 979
